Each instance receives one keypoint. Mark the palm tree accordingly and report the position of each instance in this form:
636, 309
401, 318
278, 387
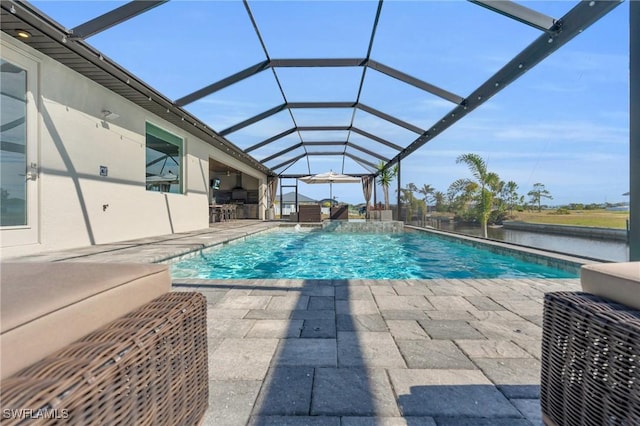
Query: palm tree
439, 198
385, 177
428, 191
482, 190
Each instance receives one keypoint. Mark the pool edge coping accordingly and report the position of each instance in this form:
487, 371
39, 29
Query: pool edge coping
564, 261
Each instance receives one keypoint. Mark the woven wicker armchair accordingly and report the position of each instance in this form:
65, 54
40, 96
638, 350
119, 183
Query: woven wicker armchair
146, 367
309, 213
590, 361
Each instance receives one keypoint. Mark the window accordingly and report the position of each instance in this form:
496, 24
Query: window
13, 154
163, 160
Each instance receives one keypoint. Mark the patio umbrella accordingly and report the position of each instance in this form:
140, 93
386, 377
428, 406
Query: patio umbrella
330, 177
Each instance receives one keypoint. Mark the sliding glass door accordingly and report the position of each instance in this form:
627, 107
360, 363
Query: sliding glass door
18, 149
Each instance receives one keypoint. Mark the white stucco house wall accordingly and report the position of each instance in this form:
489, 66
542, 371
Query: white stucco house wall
75, 168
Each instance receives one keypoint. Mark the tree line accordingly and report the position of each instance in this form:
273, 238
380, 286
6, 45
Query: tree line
484, 198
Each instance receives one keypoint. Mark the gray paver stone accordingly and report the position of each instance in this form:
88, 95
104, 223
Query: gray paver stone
241, 359
319, 314
395, 314
483, 303
388, 421
450, 303
516, 377
323, 329
318, 290
406, 329
243, 302
433, 354
383, 290
412, 290
217, 327
394, 303
351, 292
532, 346
460, 393
491, 349
368, 349
230, 402
476, 421
286, 391
226, 313
352, 392
356, 307
499, 330
530, 408
360, 323
321, 302
294, 421
310, 352
279, 329
262, 314
450, 330
451, 315
288, 303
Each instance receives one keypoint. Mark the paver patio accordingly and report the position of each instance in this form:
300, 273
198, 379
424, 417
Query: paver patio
460, 358
359, 352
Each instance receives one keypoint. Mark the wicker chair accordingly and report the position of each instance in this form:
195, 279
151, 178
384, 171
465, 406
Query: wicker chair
590, 361
309, 213
339, 213
101, 344
146, 368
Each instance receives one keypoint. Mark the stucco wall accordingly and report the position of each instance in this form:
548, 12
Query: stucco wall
75, 140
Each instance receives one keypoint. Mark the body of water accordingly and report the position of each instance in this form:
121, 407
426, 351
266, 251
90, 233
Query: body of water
609, 250
316, 254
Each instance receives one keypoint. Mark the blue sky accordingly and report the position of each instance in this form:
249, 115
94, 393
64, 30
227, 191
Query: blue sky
565, 123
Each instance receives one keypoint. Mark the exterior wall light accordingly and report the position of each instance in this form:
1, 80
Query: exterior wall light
23, 34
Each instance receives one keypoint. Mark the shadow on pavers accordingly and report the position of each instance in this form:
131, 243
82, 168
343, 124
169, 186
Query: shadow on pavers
466, 405
308, 382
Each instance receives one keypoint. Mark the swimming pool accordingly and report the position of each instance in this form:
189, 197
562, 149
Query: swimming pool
315, 254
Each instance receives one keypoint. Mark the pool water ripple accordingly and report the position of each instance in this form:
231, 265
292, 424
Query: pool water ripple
325, 255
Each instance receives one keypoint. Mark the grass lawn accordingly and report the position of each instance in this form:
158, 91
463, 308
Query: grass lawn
597, 218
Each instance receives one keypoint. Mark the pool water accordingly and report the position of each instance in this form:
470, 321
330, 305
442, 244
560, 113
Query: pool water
316, 254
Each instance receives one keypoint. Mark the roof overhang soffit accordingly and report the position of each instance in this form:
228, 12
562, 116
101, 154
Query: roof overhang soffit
59, 43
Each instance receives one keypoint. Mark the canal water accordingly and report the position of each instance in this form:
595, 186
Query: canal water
608, 250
